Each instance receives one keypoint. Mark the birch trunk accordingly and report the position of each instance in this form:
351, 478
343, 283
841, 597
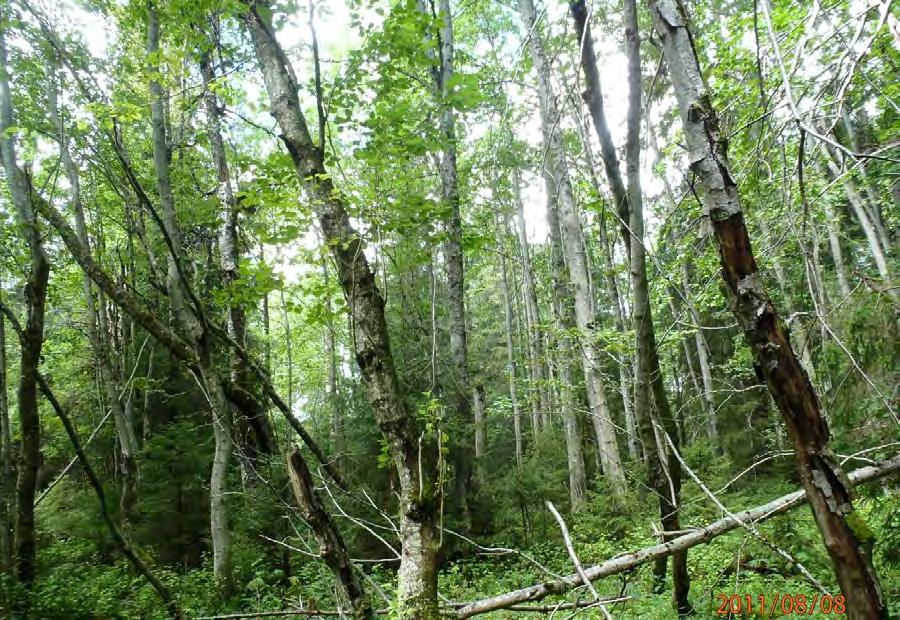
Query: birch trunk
827, 487
570, 228
35, 293
479, 426
413, 458
540, 405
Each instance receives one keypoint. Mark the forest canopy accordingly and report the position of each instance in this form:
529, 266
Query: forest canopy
442, 308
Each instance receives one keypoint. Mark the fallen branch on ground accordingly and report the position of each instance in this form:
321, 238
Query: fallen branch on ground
633, 559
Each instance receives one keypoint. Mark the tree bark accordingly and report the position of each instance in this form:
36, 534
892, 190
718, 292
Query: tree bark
332, 549
511, 366
419, 497
191, 327
480, 433
35, 294
826, 485
442, 76
664, 472
6, 473
540, 406
629, 561
570, 228
712, 431
98, 338
837, 255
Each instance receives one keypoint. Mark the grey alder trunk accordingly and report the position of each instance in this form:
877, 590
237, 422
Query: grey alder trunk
570, 229
410, 448
197, 335
827, 487
35, 293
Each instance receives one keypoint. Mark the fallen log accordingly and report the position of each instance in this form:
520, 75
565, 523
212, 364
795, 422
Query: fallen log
633, 559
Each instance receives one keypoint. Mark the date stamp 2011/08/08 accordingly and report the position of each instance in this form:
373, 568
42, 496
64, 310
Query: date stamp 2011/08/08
779, 604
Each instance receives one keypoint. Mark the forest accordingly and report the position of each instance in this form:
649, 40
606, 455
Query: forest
426, 309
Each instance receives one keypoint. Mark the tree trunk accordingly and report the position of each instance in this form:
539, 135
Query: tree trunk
442, 76
229, 263
97, 328
664, 472
562, 306
570, 228
712, 431
6, 474
826, 485
332, 549
511, 365
540, 405
178, 288
837, 255
21, 192
480, 434
413, 458
331, 388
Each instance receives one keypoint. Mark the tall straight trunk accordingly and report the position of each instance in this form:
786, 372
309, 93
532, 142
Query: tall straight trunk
712, 431
570, 228
190, 326
565, 315
832, 224
872, 204
99, 339
857, 205
827, 487
511, 365
21, 191
331, 389
540, 406
612, 286
480, 433
6, 479
414, 460
664, 471
442, 76
229, 265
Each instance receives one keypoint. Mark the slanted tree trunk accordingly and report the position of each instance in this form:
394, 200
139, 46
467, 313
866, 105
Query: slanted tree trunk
97, 329
827, 487
22, 194
540, 406
832, 224
570, 228
409, 447
664, 471
178, 285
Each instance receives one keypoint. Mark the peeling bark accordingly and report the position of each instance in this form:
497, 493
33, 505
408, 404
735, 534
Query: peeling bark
827, 488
